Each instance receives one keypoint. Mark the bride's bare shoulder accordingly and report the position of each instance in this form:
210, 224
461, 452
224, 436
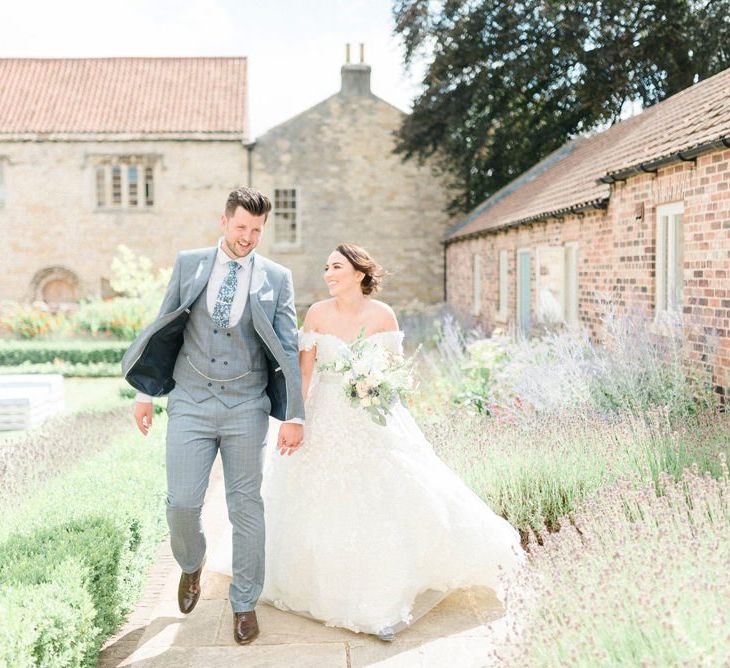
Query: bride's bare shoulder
316, 313
384, 314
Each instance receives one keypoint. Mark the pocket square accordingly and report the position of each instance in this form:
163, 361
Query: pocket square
267, 296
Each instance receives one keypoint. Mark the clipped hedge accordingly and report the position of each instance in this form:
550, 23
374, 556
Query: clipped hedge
75, 548
50, 623
67, 369
102, 545
13, 353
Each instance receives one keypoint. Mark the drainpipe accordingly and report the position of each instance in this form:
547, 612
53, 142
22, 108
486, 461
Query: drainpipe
445, 265
249, 148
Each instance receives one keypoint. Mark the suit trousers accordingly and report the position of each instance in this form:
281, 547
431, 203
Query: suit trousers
196, 431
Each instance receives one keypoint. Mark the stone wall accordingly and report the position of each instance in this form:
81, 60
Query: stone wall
49, 220
351, 187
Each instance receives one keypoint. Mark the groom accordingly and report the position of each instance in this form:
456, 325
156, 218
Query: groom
224, 346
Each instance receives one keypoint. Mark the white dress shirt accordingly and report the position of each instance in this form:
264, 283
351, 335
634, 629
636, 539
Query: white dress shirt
218, 273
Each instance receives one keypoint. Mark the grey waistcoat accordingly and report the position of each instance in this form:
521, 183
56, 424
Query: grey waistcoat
230, 362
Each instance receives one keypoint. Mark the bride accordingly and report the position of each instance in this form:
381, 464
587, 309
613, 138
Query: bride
366, 528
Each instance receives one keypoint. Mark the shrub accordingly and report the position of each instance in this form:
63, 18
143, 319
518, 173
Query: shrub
74, 352
133, 276
633, 370
121, 317
67, 369
29, 322
107, 512
535, 471
633, 579
100, 544
50, 623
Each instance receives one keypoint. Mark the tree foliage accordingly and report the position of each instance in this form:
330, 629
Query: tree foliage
509, 82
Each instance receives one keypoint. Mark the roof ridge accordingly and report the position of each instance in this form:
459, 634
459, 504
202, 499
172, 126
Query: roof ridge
123, 95
678, 127
98, 58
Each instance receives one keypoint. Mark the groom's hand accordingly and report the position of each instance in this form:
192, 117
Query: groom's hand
143, 411
290, 438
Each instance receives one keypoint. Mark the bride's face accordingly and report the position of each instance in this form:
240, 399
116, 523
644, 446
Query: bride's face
341, 277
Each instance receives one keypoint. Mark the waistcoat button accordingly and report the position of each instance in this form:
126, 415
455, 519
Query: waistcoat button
210, 384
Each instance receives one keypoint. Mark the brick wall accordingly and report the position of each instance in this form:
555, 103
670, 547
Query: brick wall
616, 257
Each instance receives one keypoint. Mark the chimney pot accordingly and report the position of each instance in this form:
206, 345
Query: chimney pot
355, 76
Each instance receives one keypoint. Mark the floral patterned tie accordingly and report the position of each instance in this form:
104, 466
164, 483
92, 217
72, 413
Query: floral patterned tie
222, 309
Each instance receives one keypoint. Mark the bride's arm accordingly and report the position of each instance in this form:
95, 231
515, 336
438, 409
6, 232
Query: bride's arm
306, 365
307, 357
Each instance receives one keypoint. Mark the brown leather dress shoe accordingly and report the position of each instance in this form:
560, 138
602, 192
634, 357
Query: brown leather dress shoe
245, 627
188, 591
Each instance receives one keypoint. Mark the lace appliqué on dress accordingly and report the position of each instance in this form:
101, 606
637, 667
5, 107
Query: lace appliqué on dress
307, 340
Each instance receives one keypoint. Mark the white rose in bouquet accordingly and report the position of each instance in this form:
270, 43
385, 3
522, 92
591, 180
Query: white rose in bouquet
373, 378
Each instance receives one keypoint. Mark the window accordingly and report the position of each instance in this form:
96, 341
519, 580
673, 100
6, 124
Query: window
669, 276
503, 304
124, 182
477, 278
571, 283
557, 284
550, 284
287, 232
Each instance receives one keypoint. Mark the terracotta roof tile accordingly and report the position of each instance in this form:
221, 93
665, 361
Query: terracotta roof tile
570, 176
123, 95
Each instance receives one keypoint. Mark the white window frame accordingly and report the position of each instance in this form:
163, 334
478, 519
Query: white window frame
518, 293
572, 288
476, 306
669, 257
285, 244
503, 285
105, 166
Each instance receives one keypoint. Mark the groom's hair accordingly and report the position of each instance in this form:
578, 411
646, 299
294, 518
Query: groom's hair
251, 200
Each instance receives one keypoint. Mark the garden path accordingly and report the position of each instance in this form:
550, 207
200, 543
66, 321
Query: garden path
461, 631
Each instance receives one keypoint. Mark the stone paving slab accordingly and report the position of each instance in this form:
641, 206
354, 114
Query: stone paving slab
459, 632
251, 656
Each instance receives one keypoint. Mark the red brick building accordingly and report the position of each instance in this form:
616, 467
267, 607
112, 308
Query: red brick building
637, 216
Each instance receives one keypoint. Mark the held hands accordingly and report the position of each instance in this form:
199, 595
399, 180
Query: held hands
290, 438
143, 416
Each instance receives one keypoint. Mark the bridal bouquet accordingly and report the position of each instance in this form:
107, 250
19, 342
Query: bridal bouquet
373, 378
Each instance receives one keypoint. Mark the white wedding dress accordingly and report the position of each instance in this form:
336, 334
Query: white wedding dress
366, 528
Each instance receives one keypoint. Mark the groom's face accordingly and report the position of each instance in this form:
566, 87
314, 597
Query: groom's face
242, 232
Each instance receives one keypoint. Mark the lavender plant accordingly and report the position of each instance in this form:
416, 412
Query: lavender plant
632, 579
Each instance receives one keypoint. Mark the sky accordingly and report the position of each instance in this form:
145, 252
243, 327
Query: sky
294, 49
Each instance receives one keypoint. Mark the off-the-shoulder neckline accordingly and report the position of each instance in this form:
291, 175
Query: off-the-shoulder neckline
349, 343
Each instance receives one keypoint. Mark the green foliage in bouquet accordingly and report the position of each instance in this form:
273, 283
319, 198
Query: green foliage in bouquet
373, 378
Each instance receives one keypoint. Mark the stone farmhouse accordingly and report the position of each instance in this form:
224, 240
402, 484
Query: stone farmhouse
636, 217
143, 152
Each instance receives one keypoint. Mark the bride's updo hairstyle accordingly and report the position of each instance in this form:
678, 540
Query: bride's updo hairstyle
362, 261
